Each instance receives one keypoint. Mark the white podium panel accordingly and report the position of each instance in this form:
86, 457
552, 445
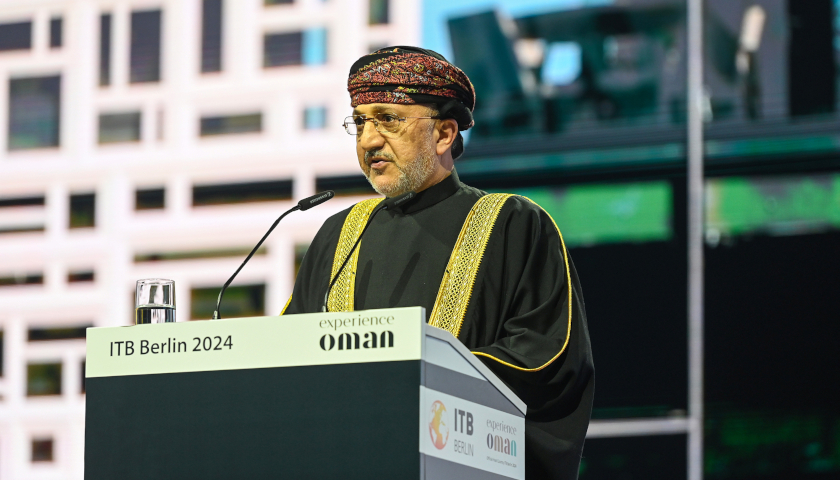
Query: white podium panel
470, 424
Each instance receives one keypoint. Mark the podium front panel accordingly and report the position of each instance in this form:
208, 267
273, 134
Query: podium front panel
328, 395
297, 422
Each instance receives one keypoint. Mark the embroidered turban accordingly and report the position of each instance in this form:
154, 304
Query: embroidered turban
410, 75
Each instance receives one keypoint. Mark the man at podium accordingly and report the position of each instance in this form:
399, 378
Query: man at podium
492, 269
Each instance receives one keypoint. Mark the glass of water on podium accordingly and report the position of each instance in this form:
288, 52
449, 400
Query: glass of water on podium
154, 301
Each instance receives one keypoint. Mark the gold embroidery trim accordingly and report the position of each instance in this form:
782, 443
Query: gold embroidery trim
456, 287
287, 304
569, 325
341, 295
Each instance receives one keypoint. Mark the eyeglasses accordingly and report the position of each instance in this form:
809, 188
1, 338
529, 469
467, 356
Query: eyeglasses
382, 122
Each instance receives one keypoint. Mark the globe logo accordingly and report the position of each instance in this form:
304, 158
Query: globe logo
438, 429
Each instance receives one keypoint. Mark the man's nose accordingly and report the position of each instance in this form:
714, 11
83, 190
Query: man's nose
370, 138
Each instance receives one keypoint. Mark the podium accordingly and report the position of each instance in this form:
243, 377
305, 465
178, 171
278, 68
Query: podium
365, 394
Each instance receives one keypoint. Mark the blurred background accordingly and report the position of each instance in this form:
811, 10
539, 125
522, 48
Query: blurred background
161, 138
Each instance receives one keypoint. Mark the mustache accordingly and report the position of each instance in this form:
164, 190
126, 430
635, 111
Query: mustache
371, 154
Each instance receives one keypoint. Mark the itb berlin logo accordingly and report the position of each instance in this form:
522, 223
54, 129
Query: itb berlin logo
438, 429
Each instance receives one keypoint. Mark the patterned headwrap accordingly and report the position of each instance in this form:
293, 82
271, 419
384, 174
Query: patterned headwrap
410, 75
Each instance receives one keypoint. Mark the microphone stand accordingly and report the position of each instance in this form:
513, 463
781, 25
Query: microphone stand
386, 204
304, 204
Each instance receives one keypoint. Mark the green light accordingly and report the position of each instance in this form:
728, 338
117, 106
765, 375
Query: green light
595, 214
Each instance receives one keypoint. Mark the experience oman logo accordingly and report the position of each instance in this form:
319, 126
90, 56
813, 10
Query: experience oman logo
438, 429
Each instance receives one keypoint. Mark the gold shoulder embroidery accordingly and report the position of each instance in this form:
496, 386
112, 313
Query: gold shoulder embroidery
569, 325
459, 277
341, 295
287, 305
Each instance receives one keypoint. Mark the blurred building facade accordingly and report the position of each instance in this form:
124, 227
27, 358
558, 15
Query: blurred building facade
157, 139
160, 138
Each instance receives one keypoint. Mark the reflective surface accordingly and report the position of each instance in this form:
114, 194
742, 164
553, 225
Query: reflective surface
154, 301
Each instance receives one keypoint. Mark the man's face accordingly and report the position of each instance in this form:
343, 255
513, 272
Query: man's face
398, 162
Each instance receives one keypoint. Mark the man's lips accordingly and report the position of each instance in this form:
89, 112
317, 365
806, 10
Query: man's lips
378, 163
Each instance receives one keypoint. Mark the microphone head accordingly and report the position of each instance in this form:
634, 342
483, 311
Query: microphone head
315, 200
392, 202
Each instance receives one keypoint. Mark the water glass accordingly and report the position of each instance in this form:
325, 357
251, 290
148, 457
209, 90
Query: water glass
154, 301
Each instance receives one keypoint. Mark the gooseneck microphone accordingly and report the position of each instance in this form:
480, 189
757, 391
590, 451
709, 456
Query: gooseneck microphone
302, 205
386, 204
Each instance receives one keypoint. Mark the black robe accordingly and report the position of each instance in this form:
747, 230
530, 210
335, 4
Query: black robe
518, 312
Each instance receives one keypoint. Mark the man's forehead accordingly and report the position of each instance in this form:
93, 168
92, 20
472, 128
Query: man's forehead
371, 108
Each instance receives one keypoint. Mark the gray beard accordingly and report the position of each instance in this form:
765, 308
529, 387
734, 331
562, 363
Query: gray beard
412, 175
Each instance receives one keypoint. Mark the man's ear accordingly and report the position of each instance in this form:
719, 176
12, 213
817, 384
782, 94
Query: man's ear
447, 133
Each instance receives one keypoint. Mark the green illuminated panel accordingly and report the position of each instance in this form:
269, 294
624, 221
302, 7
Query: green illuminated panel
757, 443
775, 205
593, 214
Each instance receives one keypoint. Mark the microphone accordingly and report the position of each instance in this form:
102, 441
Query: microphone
302, 205
315, 200
386, 204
